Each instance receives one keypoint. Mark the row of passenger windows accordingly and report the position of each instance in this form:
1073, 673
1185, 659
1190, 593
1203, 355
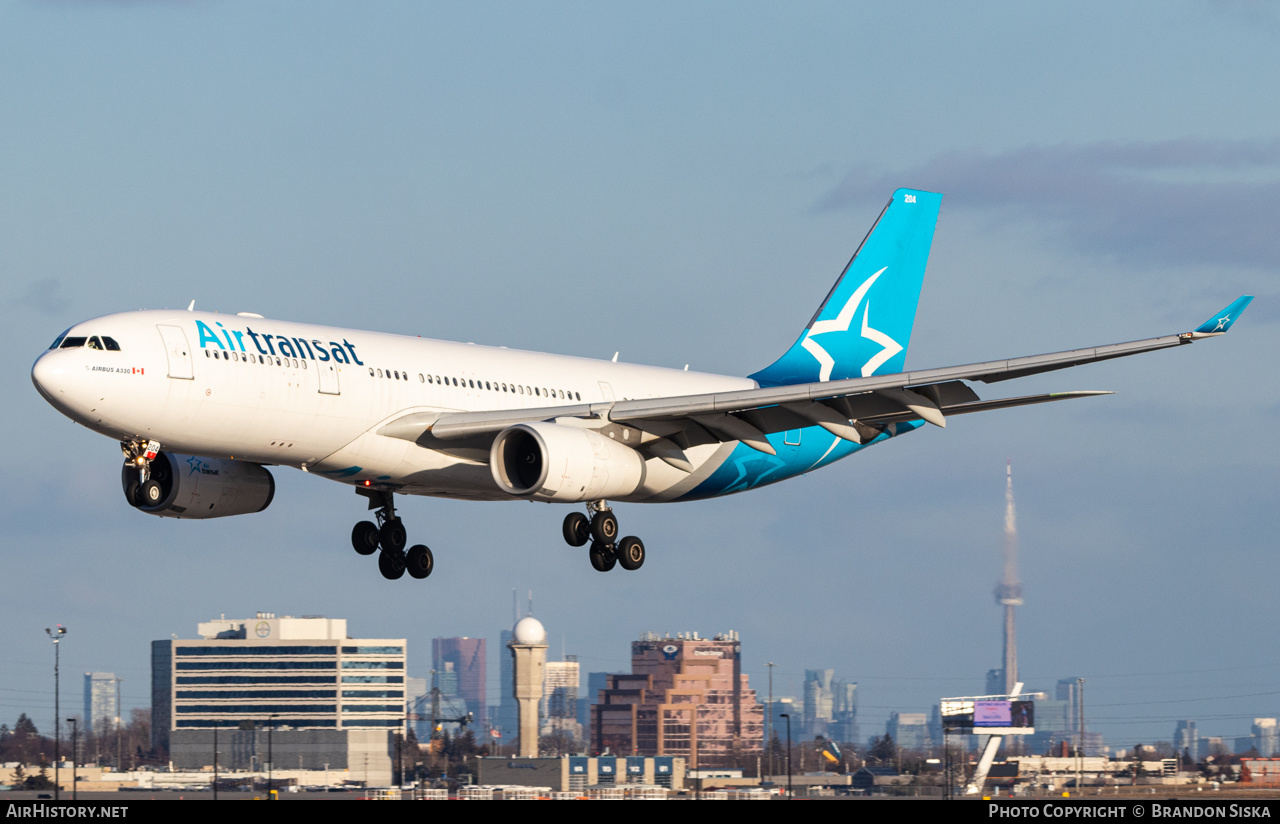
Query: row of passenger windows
491, 386
249, 357
104, 343
393, 374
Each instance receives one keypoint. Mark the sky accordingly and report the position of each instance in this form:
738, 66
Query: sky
680, 183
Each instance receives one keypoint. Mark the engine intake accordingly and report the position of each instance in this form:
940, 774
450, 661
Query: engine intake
565, 464
199, 488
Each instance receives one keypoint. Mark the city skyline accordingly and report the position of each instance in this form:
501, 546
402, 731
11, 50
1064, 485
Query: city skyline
679, 184
794, 687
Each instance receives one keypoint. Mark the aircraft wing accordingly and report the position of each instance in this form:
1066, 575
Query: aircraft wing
853, 408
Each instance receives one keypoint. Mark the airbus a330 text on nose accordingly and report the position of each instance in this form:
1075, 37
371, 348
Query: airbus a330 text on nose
202, 402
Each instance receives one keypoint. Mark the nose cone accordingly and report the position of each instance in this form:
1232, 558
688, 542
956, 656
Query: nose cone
50, 376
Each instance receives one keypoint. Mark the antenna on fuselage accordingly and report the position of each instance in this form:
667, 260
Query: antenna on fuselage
615, 357
191, 307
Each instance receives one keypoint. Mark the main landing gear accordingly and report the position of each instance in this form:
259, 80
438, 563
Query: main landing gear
388, 538
601, 529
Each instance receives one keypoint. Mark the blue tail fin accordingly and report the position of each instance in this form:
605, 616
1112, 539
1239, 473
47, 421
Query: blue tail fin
864, 325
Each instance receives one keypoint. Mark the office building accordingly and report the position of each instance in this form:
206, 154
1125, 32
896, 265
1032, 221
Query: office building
297, 686
685, 696
910, 731
460, 669
560, 699
830, 707
1185, 740
101, 702
1266, 737
817, 701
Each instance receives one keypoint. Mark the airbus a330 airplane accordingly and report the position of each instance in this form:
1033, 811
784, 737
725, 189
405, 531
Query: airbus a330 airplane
202, 402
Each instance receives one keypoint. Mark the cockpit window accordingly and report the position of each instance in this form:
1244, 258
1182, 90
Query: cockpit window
96, 342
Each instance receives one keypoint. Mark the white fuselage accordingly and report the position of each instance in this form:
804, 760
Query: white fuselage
273, 392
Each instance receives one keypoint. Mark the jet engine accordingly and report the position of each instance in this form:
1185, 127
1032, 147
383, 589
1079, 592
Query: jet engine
564, 464
185, 486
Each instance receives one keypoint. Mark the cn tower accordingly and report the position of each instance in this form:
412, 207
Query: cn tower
1009, 591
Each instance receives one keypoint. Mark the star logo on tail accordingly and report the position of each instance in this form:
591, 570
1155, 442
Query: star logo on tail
841, 323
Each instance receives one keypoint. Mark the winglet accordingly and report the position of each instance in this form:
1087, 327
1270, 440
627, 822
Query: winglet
1222, 321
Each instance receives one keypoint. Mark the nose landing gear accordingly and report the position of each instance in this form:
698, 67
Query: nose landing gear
388, 537
142, 490
601, 529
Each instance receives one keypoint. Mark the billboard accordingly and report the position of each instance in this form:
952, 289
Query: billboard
988, 715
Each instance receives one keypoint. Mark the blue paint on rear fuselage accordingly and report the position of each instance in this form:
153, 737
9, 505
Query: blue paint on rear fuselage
815, 447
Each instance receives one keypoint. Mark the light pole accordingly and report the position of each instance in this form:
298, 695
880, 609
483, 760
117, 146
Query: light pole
56, 634
271, 761
788, 717
119, 756
1080, 740
75, 776
768, 721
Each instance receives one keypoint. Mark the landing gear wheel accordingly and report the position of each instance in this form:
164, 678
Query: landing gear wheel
131, 493
631, 552
577, 529
602, 556
419, 561
393, 537
604, 527
150, 494
364, 537
391, 564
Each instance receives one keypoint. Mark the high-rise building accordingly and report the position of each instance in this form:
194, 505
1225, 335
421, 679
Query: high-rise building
301, 682
910, 731
817, 701
596, 683
778, 725
560, 698
1185, 739
467, 657
1068, 690
685, 696
1053, 726
101, 701
1266, 737
830, 707
844, 712
417, 694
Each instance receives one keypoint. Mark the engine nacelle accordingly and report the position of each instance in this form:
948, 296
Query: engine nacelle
565, 464
198, 488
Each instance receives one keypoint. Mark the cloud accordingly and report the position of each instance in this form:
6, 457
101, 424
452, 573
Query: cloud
1145, 204
44, 296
